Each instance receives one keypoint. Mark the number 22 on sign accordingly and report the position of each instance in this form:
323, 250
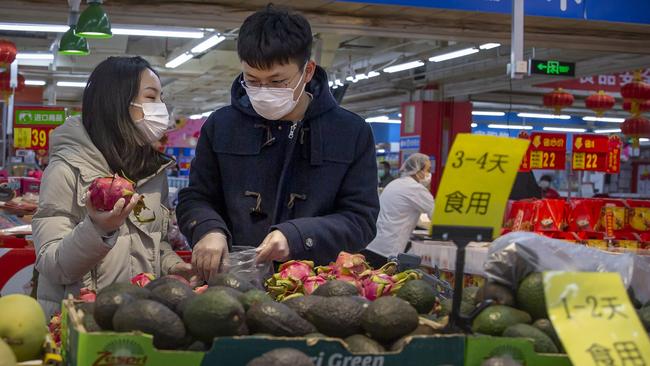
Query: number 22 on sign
595, 320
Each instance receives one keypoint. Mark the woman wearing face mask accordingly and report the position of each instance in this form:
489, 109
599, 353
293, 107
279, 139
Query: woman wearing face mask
545, 185
400, 205
76, 244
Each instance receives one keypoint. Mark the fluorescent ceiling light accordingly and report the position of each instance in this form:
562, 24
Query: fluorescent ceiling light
509, 127
611, 130
206, 114
564, 129
330, 83
352, 79
455, 54
603, 119
474, 125
542, 115
72, 84
157, 32
34, 56
488, 113
338, 82
23, 27
35, 82
382, 119
489, 46
208, 43
643, 139
404, 66
196, 116
179, 60
399, 115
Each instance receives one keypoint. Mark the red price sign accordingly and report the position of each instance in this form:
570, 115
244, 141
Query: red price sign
590, 152
614, 155
34, 137
547, 151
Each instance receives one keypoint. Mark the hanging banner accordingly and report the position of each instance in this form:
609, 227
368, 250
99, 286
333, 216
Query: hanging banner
33, 126
590, 153
607, 82
614, 155
525, 161
548, 151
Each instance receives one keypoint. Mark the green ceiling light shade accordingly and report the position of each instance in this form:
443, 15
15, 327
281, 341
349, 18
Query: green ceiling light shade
73, 45
94, 22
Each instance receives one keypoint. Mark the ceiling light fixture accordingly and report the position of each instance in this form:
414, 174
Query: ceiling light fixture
35, 82
196, 116
404, 66
208, 43
72, 84
93, 22
206, 114
23, 27
488, 113
489, 46
73, 45
158, 33
564, 129
474, 125
455, 54
611, 130
542, 115
170, 32
179, 60
34, 56
603, 119
509, 127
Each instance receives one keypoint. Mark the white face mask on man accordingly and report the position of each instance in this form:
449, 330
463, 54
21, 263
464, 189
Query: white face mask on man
274, 103
155, 121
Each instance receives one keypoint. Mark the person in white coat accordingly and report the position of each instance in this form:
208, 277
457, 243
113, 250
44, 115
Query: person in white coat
400, 206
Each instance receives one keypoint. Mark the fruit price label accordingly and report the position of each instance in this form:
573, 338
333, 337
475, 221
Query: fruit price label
34, 138
477, 181
548, 151
590, 152
593, 316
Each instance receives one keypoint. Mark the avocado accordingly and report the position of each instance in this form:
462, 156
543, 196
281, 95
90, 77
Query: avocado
152, 318
495, 319
302, 304
88, 309
361, 344
282, 357
546, 326
542, 342
399, 344
644, 316
469, 294
336, 288
338, 316
446, 305
389, 318
213, 314
171, 294
530, 296
229, 290
253, 297
112, 297
501, 295
277, 319
164, 280
231, 280
419, 294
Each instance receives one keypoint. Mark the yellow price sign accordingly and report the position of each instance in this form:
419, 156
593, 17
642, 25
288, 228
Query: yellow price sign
22, 138
477, 181
595, 320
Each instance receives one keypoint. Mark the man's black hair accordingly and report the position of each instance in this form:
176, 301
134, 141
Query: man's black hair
274, 36
546, 177
385, 164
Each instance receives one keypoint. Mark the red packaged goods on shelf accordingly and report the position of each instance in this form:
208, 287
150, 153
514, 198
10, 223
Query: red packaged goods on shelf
613, 217
639, 215
550, 215
584, 214
521, 215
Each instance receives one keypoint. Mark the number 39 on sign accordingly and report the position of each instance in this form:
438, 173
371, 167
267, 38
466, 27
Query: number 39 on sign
35, 138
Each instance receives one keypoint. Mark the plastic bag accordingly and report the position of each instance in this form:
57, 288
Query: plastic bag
241, 261
513, 256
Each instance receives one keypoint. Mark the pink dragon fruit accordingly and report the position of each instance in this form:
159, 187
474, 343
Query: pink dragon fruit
201, 289
297, 270
87, 295
143, 279
351, 264
377, 286
311, 283
105, 192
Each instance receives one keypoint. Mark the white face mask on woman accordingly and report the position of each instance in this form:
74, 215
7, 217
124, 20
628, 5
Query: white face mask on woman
427, 180
274, 103
544, 184
155, 121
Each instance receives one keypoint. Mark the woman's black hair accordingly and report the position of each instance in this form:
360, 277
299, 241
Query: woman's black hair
546, 177
111, 88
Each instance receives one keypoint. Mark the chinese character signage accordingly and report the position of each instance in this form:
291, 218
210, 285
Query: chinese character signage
614, 155
595, 320
607, 82
477, 181
525, 162
547, 151
552, 67
590, 152
33, 125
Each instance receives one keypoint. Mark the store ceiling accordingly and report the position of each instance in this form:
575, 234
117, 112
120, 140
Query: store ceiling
352, 38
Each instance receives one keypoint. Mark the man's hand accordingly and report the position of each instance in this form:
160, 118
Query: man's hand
209, 254
110, 221
275, 247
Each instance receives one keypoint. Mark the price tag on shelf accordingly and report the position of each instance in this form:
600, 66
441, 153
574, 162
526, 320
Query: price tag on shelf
548, 151
477, 181
22, 138
590, 152
595, 320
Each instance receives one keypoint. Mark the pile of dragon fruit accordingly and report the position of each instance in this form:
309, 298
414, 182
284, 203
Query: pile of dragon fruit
298, 278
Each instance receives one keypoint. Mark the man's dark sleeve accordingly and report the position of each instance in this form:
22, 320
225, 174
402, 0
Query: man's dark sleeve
352, 225
199, 204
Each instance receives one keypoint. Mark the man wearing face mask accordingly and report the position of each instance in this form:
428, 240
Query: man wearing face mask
283, 168
545, 185
402, 202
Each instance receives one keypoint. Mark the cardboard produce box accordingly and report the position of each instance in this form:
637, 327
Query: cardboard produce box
481, 348
81, 348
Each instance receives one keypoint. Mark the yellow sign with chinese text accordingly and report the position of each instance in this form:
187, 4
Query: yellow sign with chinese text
595, 320
477, 181
22, 138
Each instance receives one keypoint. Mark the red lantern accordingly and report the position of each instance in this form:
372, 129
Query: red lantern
7, 52
636, 127
5, 77
558, 99
600, 102
643, 106
636, 93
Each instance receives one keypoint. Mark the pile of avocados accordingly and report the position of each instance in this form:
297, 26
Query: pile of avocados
179, 319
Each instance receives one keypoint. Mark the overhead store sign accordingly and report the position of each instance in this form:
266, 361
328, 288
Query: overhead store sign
606, 82
590, 152
33, 125
628, 11
547, 151
552, 67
